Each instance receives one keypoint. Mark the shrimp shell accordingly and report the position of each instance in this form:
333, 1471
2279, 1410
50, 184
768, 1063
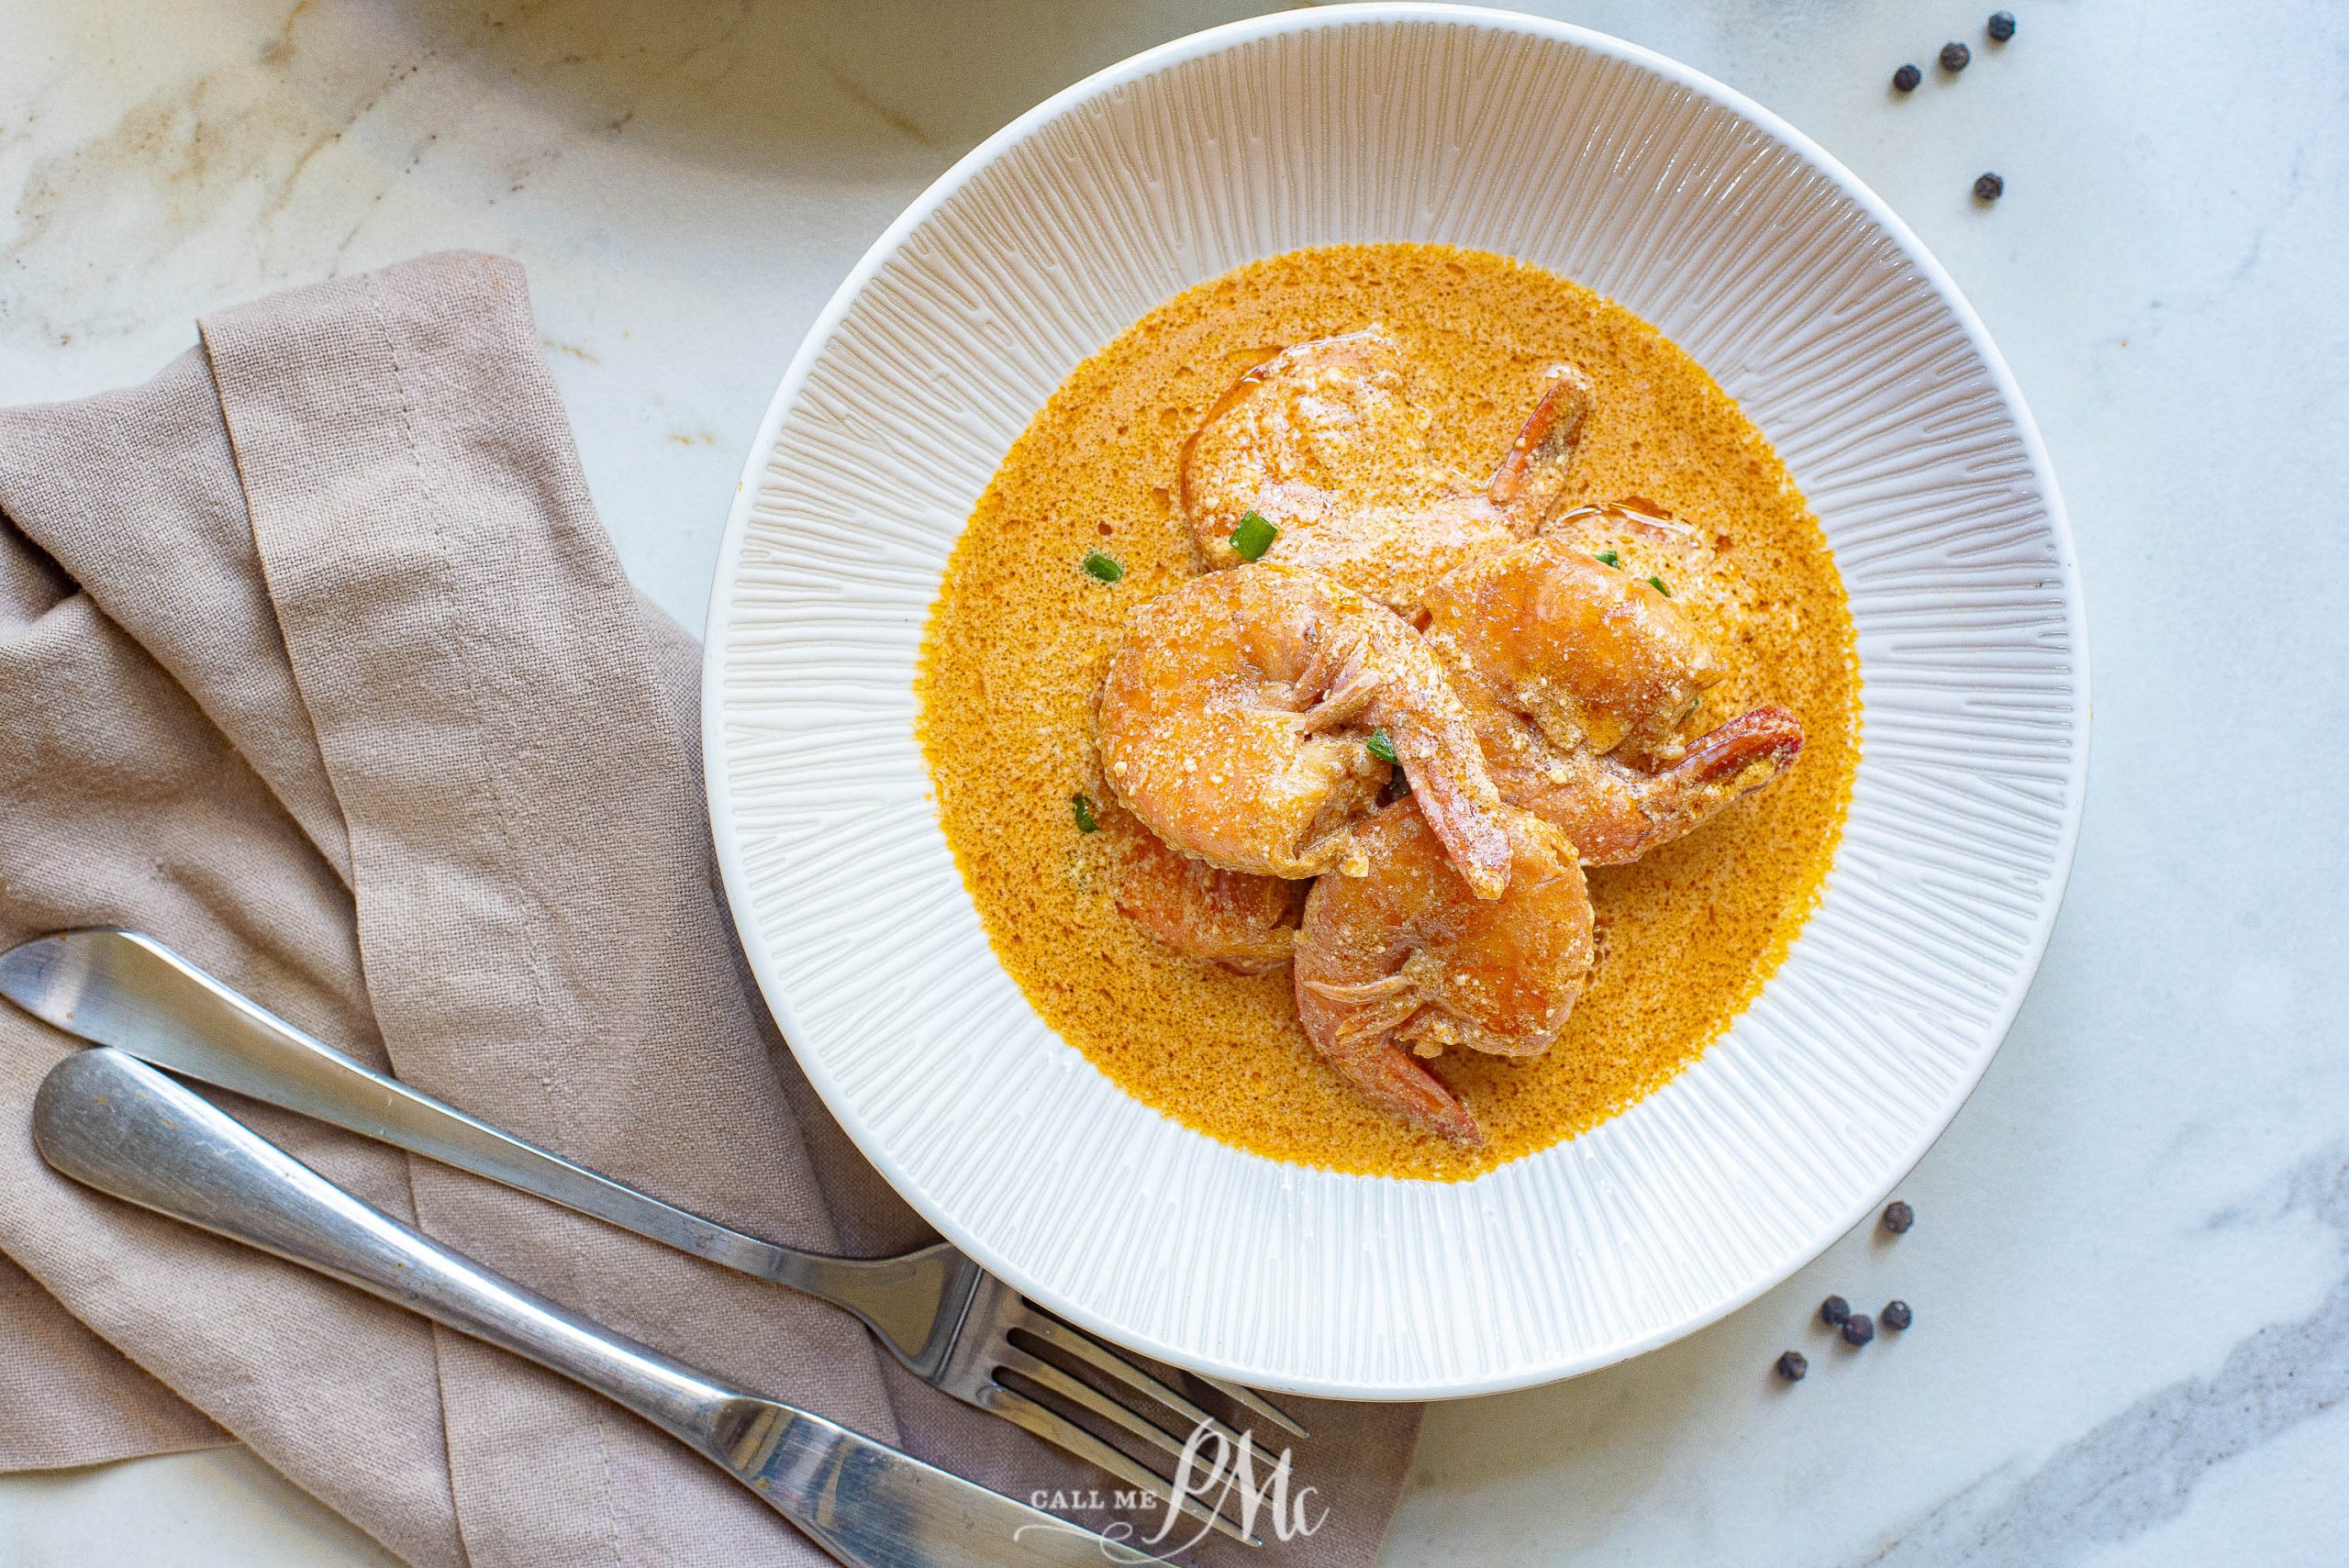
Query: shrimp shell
1245, 923
1579, 675
1405, 961
1233, 717
1325, 441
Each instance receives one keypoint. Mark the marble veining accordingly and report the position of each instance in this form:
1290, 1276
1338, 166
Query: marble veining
2140, 1467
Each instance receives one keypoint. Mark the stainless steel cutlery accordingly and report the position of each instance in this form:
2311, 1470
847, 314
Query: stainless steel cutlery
954, 1325
118, 1124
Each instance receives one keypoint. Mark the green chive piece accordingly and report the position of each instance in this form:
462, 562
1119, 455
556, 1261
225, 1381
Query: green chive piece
1380, 747
1254, 536
1657, 583
1082, 808
1608, 558
1102, 568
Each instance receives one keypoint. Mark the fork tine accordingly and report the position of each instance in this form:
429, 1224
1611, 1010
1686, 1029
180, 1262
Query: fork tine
1024, 1412
1249, 1399
1093, 1353
1078, 1342
1049, 1376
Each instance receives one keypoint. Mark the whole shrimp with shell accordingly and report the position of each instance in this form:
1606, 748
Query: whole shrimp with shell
1580, 676
1234, 716
1325, 442
1404, 961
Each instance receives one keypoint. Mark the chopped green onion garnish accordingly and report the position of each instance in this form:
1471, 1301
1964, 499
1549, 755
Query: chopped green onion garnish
1254, 536
1102, 568
1657, 583
1380, 747
1085, 821
1608, 558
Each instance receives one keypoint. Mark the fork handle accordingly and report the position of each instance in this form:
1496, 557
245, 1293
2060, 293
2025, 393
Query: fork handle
129, 991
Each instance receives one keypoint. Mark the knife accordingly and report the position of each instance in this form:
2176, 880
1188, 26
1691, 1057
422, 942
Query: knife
111, 1122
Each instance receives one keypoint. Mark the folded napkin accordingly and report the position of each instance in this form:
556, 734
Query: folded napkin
316, 663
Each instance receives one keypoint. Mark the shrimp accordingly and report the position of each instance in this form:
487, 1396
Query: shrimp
1403, 963
1245, 923
1325, 442
1234, 715
1580, 674
1616, 813
1645, 541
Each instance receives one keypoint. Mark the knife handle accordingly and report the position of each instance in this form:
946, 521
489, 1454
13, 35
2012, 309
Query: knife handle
112, 1122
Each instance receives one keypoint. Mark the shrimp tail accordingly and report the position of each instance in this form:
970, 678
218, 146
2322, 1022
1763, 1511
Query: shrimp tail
1358, 1038
1728, 764
1478, 848
1748, 752
1615, 813
1532, 480
1401, 1084
1461, 806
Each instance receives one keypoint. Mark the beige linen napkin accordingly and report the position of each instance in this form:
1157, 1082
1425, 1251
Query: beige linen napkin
316, 663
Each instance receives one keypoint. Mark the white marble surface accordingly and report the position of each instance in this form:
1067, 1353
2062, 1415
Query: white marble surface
2132, 1265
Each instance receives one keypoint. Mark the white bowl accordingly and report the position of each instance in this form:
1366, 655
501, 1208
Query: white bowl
1802, 294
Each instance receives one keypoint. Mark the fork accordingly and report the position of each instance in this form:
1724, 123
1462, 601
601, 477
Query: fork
951, 1323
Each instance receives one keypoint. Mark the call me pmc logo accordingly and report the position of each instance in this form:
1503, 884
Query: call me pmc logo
1228, 1482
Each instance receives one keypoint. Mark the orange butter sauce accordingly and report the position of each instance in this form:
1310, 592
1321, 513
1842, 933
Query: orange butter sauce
1020, 634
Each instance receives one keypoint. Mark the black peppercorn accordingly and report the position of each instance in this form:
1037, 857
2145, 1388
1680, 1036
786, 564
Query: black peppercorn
1989, 188
1896, 1314
1905, 80
1857, 1330
1955, 56
1834, 1311
1898, 1216
1793, 1365
2002, 26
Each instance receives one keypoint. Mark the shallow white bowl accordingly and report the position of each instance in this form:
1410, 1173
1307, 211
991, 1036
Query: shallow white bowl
1809, 301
